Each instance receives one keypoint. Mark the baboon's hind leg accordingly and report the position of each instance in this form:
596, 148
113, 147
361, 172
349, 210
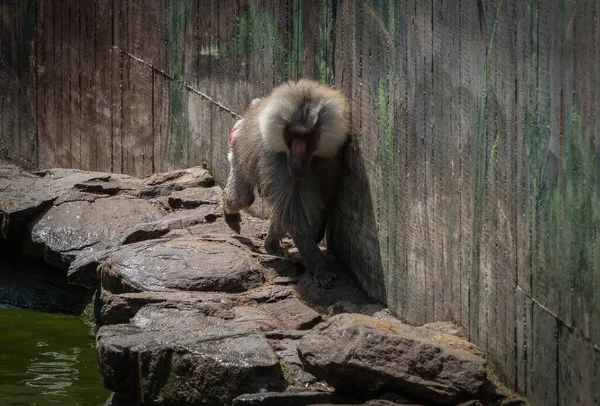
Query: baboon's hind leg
238, 195
273, 240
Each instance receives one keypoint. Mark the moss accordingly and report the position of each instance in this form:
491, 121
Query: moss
178, 16
564, 223
294, 58
483, 171
385, 107
260, 43
573, 224
27, 14
253, 42
324, 57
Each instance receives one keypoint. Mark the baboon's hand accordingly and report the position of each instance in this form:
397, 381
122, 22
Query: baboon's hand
233, 220
323, 277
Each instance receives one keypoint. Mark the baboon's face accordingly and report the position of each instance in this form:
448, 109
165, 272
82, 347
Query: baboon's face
302, 141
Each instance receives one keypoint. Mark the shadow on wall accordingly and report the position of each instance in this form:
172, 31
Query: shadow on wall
352, 232
17, 123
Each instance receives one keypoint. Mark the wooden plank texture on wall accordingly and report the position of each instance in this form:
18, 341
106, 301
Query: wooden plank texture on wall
18, 133
475, 142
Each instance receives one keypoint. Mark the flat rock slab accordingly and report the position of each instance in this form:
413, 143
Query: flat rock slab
85, 224
24, 194
181, 264
194, 197
298, 397
163, 184
186, 358
293, 314
33, 284
354, 352
172, 221
121, 308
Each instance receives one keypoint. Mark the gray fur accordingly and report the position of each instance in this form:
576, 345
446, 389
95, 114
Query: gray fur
300, 207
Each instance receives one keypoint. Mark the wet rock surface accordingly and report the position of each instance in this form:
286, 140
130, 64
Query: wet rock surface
192, 314
379, 355
33, 284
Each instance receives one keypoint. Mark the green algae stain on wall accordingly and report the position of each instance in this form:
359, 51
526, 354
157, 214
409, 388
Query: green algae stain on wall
571, 225
385, 108
259, 33
178, 17
256, 28
324, 57
296, 48
27, 16
483, 167
563, 212
580, 219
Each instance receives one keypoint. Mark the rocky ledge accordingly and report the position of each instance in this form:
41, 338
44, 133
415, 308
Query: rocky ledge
191, 314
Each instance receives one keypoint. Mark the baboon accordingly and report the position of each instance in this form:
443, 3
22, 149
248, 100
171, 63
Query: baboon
287, 146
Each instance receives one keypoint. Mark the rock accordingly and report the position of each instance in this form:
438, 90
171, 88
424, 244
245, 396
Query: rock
287, 351
293, 314
372, 402
22, 194
186, 359
256, 315
446, 327
383, 402
117, 309
271, 295
253, 231
377, 356
172, 221
81, 225
192, 313
297, 397
83, 270
284, 280
397, 399
163, 184
119, 400
194, 197
110, 185
282, 334
180, 264
514, 401
31, 283
344, 288
295, 375
344, 306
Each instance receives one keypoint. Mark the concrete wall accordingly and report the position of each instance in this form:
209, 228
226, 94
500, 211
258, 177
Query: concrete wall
473, 179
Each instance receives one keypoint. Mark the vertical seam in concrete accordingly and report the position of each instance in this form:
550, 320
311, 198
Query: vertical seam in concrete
297, 45
494, 156
432, 166
121, 58
516, 212
80, 89
37, 85
112, 41
558, 327
460, 164
152, 114
406, 157
537, 75
529, 354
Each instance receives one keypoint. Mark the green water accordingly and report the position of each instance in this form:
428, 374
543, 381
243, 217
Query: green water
48, 358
